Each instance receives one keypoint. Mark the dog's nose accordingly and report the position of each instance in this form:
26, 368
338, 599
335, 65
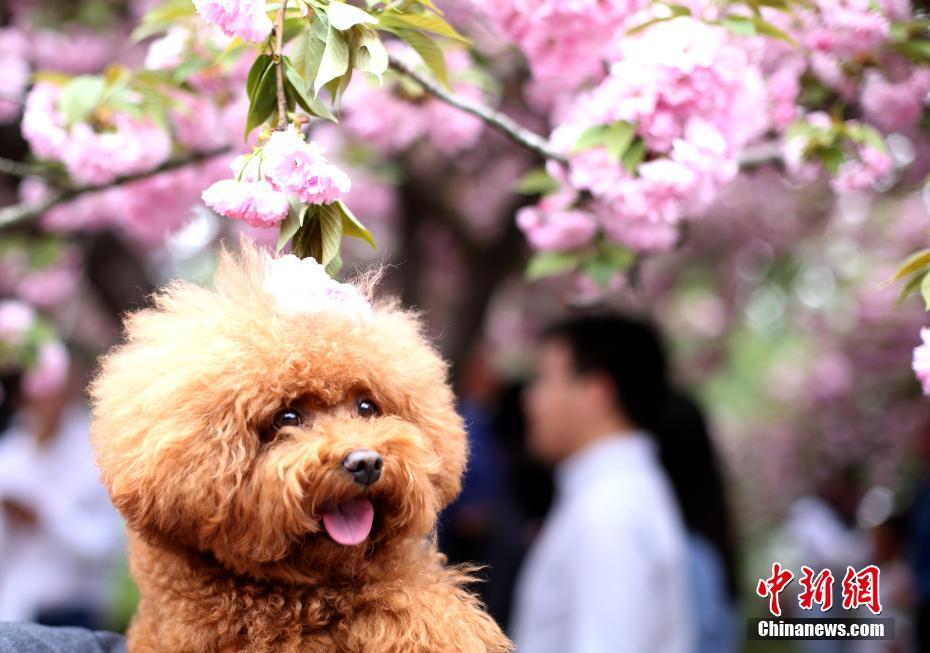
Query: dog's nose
364, 465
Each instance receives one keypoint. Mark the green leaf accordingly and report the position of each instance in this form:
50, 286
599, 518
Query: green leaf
188, 69
618, 138
634, 155
547, 264
429, 4
619, 256
600, 270
343, 16
742, 25
161, 18
307, 54
330, 231
427, 22
307, 241
918, 50
337, 87
332, 268
925, 290
768, 29
259, 66
591, 137
912, 284
292, 223
866, 134
352, 226
917, 262
262, 103
537, 182
642, 27
297, 87
370, 55
429, 52
609, 260
334, 62
80, 97
832, 158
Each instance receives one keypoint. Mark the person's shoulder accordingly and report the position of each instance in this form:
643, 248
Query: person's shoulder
628, 504
33, 638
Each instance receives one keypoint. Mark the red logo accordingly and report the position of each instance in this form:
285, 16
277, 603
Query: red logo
772, 586
859, 588
817, 589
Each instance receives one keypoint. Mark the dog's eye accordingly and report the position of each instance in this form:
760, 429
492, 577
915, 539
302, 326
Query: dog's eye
368, 408
287, 417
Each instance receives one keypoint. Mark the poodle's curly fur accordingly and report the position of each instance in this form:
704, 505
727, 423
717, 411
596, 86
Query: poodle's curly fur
224, 512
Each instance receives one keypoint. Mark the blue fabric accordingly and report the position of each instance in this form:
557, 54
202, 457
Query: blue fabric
33, 638
714, 615
484, 476
919, 543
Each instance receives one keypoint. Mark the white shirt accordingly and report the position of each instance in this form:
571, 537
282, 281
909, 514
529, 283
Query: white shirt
609, 571
67, 559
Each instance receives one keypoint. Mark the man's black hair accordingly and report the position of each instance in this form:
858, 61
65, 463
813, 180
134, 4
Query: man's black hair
628, 351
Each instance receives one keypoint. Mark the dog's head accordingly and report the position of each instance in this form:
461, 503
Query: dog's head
276, 425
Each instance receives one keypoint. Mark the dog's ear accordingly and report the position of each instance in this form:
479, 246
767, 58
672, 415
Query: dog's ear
451, 444
153, 414
170, 481
432, 403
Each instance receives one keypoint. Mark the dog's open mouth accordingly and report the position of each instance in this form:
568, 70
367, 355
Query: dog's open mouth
349, 522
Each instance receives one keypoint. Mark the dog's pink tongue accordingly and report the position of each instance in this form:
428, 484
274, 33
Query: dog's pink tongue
349, 523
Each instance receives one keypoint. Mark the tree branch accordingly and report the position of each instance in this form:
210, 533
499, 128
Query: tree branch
20, 169
279, 66
505, 124
12, 215
754, 155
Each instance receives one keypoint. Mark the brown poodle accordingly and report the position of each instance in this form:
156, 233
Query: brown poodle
280, 457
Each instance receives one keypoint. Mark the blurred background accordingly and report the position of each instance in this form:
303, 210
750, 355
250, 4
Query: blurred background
772, 308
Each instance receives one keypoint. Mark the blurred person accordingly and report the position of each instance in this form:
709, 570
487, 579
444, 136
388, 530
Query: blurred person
609, 571
687, 453
889, 548
820, 531
919, 545
60, 537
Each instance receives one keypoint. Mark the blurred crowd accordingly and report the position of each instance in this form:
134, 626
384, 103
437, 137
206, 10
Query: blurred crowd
595, 502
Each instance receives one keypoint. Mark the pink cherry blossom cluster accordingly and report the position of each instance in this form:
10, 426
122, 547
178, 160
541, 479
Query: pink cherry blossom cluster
246, 19
14, 73
565, 41
865, 164
303, 286
285, 166
26, 345
92, 154
208, 116
848, 50
378, 115
35, 277
129, 207
693, 97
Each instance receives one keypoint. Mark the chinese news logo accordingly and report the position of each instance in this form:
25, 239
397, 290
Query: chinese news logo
859, 588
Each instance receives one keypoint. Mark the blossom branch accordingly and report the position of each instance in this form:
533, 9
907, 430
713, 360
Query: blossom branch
754, 155
20, 169
17, 213
279, 65
505, 124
